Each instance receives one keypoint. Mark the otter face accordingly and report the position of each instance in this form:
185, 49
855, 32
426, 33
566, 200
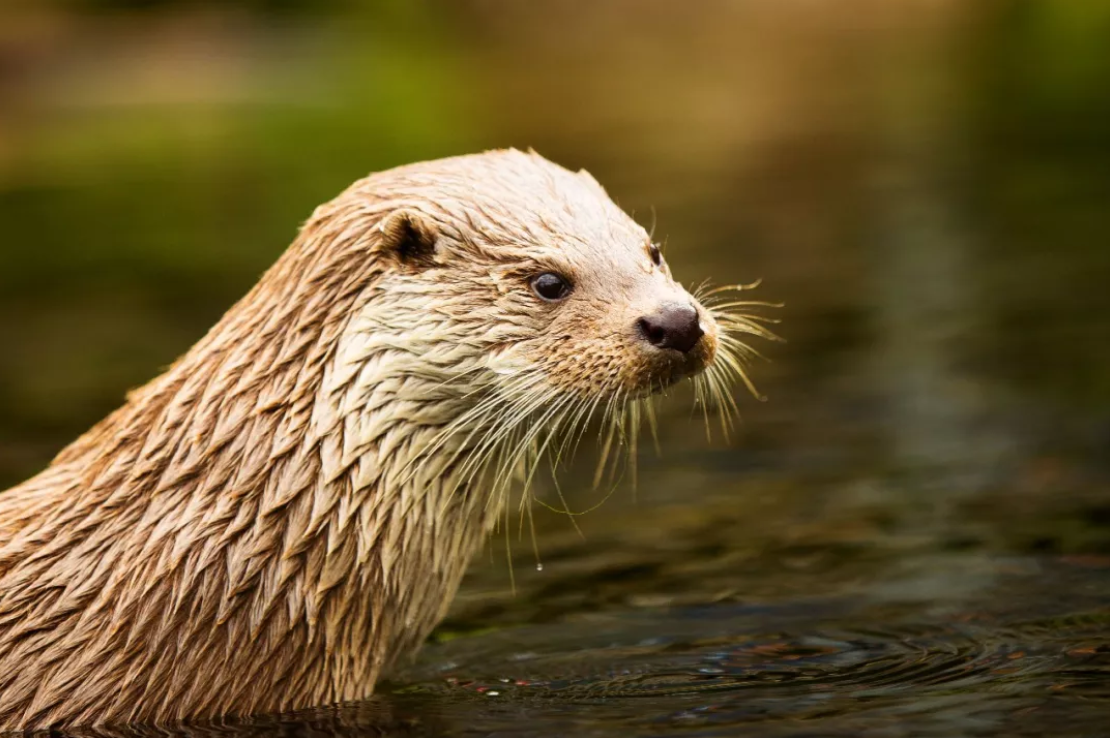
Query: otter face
606, 316
526, 277
610, 319
568, 286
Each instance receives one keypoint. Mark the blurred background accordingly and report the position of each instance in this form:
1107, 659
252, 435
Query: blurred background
925, 184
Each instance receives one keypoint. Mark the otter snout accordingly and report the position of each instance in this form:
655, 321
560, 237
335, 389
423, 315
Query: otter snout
674, 326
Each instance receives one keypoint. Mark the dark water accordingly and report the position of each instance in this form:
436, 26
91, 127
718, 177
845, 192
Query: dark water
853, 666
910, 537
721, 627
707, 637
730, 626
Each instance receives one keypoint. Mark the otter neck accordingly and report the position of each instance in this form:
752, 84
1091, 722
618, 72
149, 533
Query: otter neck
245, 517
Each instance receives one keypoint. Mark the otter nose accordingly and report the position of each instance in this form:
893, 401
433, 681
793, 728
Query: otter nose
675, 326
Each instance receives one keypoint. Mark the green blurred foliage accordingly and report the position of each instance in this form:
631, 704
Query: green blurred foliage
129, 227
129, 230
1043, 128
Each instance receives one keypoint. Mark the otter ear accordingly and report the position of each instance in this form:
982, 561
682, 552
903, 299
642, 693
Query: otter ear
409, 238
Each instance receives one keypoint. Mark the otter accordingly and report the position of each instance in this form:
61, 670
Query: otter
289, 509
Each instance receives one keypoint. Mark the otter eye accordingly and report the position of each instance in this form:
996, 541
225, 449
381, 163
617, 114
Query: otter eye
551, 287
656, 255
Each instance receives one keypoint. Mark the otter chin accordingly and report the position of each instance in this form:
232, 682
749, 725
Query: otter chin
289, 509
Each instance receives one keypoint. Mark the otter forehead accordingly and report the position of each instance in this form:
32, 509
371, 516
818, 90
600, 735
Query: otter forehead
515, 205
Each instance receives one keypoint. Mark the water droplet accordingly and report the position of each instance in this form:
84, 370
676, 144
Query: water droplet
539, 567
492, 693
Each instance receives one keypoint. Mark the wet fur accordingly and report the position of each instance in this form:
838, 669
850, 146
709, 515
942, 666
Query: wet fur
275, 520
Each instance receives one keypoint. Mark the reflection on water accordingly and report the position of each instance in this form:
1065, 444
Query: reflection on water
851, 666
911, 537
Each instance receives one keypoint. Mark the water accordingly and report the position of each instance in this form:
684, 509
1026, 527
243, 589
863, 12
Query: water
863, 639
910, 537
745, 627
844, 667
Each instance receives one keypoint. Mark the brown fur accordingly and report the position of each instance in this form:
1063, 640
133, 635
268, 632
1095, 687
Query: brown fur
271, 523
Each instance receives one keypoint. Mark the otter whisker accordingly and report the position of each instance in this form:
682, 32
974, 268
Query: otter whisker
733, 354
606, 446
714, 377
706, 393
698, 293
571, 513
525, 447
566, 506
653, 425
719, 383
740, 351
730, 316
620, 425
552, 434
741, 303
633, 440
476, 425
523, 399
535, 538
737, 367
492, 457
531, 462
493, 445
741, 325
615, 416
700, 399
732, 288
583, 414
473, 418
731, 411
509, 554
577, 428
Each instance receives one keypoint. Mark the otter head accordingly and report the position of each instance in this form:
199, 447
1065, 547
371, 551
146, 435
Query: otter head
513, 295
